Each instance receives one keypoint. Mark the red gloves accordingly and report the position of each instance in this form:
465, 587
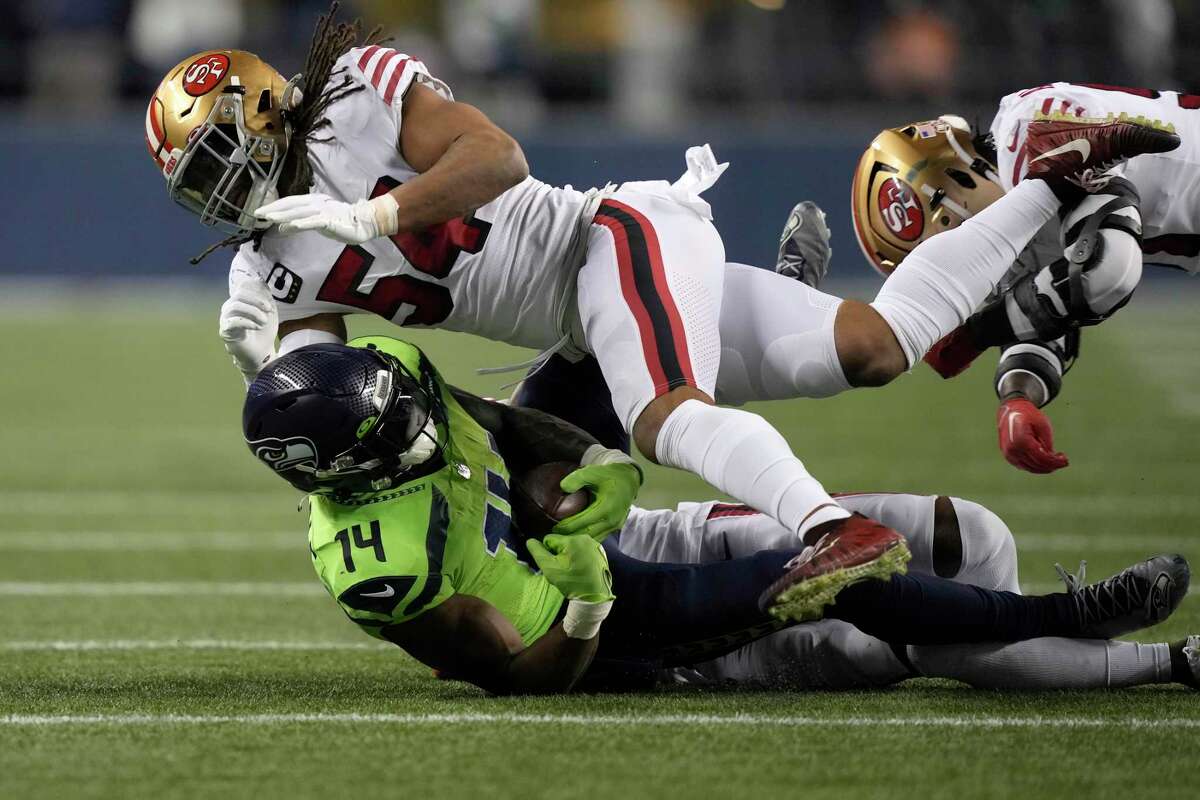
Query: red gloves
1026, 438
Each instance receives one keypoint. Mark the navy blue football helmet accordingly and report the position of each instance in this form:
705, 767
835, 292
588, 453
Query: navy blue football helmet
338, 420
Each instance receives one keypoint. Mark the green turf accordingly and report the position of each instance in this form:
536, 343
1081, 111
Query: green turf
121, 427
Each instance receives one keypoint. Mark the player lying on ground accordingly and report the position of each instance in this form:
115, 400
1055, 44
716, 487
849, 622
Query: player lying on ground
918, 180
422, 211
949, 537
411, 532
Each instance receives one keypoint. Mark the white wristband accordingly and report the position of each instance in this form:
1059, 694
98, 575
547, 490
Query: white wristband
601, 455
582, 620
387, 214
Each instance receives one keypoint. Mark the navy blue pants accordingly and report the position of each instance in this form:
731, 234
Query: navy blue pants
574, 391
677, 614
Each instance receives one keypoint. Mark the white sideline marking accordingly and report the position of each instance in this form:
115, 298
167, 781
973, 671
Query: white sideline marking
651, 720
144, 503
266, 589
185, 541
91, 645
1108, 542
181, 541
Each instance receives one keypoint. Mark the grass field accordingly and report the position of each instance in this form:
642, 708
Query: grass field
162, 632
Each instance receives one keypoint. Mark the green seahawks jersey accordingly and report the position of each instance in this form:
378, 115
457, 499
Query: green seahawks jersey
391, 555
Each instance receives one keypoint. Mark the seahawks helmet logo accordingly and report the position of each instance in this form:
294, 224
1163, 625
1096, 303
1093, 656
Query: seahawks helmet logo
295, 452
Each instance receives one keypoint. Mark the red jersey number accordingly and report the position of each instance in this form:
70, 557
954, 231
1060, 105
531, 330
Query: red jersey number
432, 251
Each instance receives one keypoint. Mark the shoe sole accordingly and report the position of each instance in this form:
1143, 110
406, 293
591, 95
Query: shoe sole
806, 601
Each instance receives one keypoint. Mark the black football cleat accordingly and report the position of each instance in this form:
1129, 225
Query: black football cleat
1067, 151
1135, 598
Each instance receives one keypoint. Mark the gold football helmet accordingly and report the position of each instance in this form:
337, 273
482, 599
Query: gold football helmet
216, 128
915, 181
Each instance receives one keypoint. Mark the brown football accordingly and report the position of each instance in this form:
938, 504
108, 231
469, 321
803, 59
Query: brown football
538, 502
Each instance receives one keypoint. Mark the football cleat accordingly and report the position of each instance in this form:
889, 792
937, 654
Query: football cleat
804, 250
953, 353
1187, 670
1135, 598
1065, 150
858, 548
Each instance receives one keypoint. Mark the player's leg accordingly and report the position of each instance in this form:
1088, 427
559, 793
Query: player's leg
649, 300
781, 338
828, 654
1047, 663
947, 536
1102, 234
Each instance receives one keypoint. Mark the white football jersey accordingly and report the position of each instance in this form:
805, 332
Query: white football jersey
503, 273
1168, 183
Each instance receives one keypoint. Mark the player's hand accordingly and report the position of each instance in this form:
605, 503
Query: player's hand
248, 325
352, 223
1026, 438
613, 480
575, 565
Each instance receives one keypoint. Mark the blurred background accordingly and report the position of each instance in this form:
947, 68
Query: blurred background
789, 91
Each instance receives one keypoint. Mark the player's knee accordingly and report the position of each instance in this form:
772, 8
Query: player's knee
867, 348
649, 423
1111, 280
989, 553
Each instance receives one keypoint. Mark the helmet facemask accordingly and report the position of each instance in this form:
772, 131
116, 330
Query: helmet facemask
225, 171
402, 435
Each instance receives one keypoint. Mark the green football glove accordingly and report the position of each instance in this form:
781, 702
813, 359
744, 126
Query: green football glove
613, 479
575, 565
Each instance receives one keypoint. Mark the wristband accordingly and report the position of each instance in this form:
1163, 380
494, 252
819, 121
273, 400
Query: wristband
387, 214
599, 455
582, 620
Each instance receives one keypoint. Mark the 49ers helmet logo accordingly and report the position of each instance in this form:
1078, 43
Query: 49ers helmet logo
203, 74
900, 210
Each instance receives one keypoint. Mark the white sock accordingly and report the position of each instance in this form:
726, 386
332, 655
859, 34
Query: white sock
948, 276
1047, 663
743, 456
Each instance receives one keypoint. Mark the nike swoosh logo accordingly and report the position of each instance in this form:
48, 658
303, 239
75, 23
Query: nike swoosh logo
1081, 146
388, 591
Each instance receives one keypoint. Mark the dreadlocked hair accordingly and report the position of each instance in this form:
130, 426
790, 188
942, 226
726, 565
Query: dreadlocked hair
330, 41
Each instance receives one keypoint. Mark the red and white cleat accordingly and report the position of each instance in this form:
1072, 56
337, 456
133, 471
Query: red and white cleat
953, 353
856, 549
1069, 151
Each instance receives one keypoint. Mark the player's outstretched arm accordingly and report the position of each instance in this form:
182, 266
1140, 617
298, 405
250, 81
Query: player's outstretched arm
467, 639
1028, 376
464, 158
465, 162
527, 438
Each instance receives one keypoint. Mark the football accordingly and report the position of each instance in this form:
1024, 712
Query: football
538, 502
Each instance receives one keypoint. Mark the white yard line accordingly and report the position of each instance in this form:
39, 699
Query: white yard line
140, 503
265, 589
98, 645
37, 541
78, 541
618, 720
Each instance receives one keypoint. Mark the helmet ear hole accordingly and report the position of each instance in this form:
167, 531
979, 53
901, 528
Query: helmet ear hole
961, 178
264, 101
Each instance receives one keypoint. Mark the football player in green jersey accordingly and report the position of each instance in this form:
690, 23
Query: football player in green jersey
411, 532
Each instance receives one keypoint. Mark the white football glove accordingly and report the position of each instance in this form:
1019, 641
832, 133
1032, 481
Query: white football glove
351, 223
248, 326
